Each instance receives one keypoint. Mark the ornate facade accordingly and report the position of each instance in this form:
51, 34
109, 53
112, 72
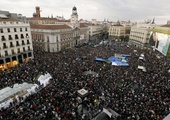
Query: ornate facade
53, 35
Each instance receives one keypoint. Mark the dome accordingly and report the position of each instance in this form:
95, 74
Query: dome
34, 15
74, 8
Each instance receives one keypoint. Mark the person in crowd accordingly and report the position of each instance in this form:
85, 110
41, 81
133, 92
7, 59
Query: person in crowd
132, 93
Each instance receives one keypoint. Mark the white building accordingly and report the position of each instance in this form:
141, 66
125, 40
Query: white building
15, 42
140, 34
95, 32
119, 31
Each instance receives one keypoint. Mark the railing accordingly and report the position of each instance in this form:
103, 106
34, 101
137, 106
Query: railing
17, 44
10, 38
5, 47
3, 39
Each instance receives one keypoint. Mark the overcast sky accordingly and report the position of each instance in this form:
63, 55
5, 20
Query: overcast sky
112, 10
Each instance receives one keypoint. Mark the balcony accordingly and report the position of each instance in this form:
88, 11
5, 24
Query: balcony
6, 54
4, 47
10, 38
3, 39
18, 44
12, 45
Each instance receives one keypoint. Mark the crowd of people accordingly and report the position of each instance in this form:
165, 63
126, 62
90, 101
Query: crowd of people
132, 93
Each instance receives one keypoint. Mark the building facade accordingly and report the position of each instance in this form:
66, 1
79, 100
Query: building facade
140, 35
119, 32
53, 35
52, 38
95, 32
16, 44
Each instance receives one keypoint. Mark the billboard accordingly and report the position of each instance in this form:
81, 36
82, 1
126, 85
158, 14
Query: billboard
163, 43
160, 42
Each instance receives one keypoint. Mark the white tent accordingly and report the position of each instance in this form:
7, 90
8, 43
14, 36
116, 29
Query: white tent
44, 79
7, 94
17, 88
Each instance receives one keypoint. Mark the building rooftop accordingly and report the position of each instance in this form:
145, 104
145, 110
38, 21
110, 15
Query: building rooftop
46, 18
52, 26
167, 25
8, 19
83, 25
117, 25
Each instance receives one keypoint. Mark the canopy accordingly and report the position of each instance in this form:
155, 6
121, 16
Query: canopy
100, 59
113, 58
9, 92
118, 63
44, 79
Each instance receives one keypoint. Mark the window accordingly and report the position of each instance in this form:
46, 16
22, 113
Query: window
6, 53
8, 29
15, 30
28, 42
1, 30
22, 36
56, 38
3, 38
24, 49
48, 39
11, 44
16, 36
9, 37
12, 51
27, 35
23, 42
29, 48
20, 29
26, 29
17, 43
4, 45
18, 50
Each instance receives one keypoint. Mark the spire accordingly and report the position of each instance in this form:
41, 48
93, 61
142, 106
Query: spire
153, 21
129, 21
118, 22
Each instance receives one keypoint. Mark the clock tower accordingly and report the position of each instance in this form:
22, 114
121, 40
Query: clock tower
74, 18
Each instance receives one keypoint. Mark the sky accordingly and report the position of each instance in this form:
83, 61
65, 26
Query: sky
112, 10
